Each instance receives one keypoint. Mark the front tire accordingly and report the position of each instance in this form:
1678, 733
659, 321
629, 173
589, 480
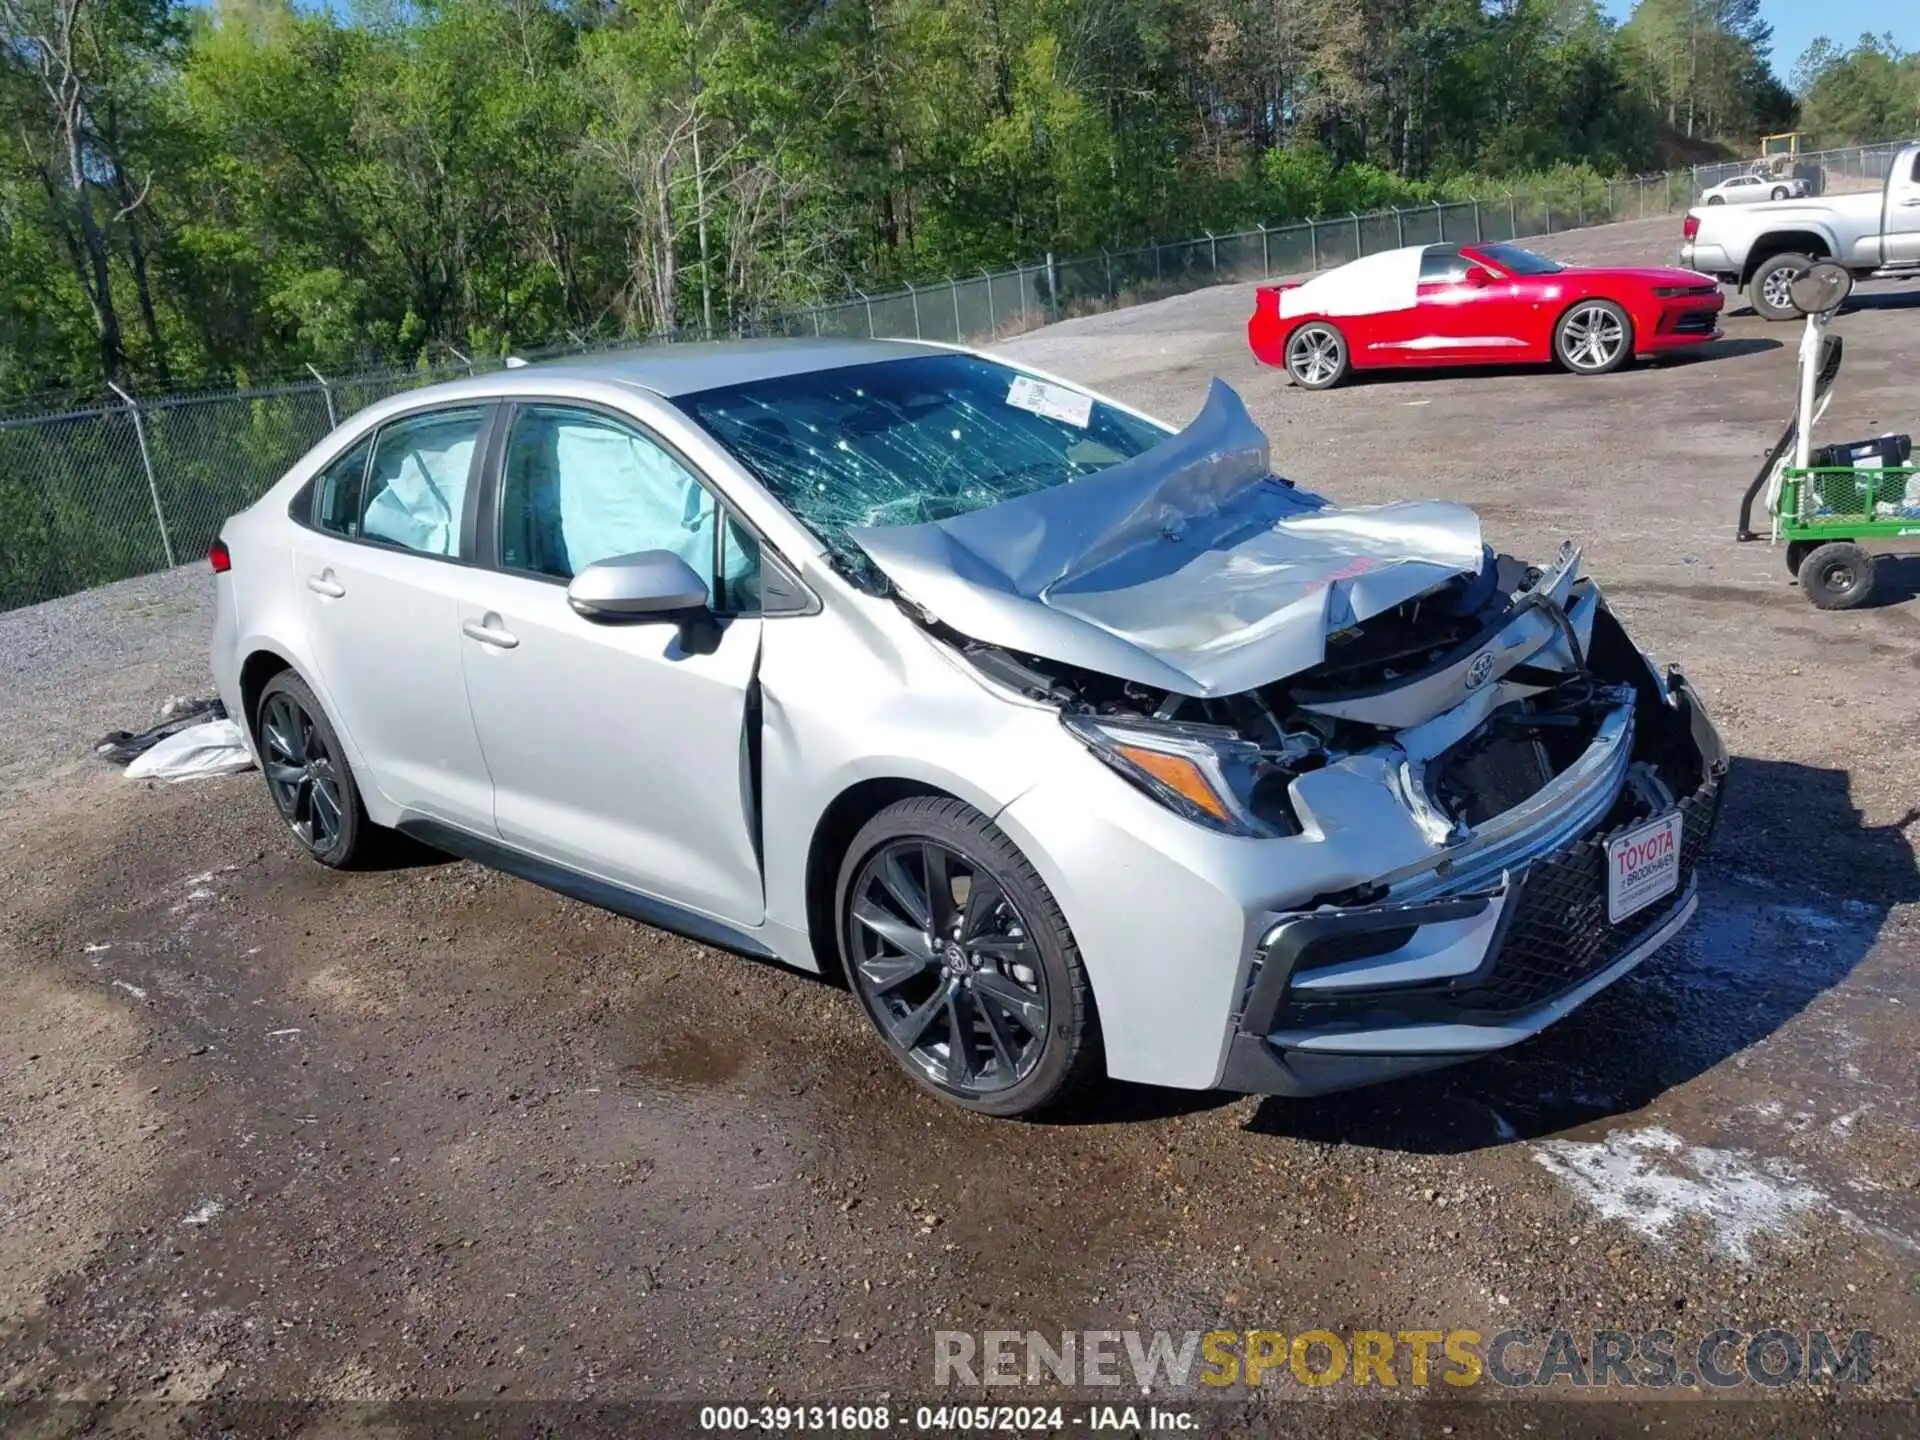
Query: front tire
308, 776
1838, 576
1594, 337
1769, 291
1317, 357
1779, 192
963, 961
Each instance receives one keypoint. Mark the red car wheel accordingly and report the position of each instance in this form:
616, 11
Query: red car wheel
1316, 356
1593, 338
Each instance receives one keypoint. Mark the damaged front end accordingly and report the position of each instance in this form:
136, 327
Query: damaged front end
1503, 800
1526, 738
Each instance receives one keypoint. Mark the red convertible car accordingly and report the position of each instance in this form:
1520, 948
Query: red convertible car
1477, 305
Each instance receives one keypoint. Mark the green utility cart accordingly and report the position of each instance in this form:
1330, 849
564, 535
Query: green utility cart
1832, 505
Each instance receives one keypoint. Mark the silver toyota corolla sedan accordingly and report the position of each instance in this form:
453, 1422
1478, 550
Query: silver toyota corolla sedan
1076, 743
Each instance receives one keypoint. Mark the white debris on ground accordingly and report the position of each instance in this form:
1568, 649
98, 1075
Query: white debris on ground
1654, 1181
205, 1213
215, 748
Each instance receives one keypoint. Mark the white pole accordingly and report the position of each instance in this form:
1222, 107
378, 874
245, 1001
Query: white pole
1809, 381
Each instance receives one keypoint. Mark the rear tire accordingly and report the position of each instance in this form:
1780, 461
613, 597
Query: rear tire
1768, 290
1838, 576
1317, 356
308, 776
1716, 199
997, 965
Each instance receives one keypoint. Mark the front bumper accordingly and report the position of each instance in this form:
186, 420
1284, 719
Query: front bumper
1680, 329
1347, 996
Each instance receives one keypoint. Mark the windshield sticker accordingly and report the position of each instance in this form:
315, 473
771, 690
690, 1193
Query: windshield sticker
1055, 402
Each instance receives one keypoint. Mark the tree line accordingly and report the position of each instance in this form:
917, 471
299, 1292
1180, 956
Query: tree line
1868, 92
196, 195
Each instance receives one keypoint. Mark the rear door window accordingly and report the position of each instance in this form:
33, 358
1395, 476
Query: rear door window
416, 487
337, 506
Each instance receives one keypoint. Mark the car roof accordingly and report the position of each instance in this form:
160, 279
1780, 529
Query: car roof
683, 369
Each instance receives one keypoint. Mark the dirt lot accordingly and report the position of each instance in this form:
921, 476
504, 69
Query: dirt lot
273, 1132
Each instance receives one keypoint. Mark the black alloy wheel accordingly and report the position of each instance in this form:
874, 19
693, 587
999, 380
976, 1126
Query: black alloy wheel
961, 959
307, 773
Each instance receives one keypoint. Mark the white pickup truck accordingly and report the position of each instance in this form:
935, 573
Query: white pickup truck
1760, 248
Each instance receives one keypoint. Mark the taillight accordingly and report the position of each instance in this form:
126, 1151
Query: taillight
220, 557
1690, 227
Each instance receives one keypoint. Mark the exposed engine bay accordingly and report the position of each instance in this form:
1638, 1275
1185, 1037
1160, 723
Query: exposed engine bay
1487, 687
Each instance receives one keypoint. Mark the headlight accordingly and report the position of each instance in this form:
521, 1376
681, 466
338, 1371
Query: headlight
1207, 773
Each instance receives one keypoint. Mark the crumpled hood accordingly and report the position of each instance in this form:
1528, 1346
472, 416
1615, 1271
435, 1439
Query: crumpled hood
1189, 568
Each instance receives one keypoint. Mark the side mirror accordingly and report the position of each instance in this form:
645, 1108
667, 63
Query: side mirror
652, 584
1479, 279
649, 585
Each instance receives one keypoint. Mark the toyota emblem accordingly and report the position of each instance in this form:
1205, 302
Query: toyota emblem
1480, 670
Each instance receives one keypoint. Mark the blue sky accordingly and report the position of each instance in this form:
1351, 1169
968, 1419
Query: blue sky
1796, 22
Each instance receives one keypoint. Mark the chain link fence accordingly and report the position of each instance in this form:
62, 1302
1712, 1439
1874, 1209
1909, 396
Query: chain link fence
125, 488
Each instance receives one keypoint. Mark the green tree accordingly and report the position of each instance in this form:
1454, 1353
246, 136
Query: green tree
1871, 92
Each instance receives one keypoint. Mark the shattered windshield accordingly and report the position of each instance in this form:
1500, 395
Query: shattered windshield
903, 442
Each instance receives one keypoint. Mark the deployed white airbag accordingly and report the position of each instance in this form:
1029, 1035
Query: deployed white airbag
421, 503
620, 495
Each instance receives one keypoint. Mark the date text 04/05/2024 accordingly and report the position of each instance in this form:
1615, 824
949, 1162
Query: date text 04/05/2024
947, 1419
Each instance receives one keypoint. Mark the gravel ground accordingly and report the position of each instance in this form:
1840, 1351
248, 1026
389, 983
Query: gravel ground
108, 659
275, 1133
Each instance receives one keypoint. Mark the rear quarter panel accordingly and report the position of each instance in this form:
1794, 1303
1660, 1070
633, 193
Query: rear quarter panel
257, 611
1268, 332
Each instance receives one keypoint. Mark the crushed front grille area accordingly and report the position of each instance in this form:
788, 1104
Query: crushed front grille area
1555, 937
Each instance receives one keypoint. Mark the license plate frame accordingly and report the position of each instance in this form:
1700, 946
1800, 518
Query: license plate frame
1643, 866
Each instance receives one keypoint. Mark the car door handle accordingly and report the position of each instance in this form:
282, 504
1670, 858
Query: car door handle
325, 584
488, 632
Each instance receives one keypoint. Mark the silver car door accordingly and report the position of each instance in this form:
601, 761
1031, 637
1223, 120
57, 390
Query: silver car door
1901, 242
374, 572
621, 751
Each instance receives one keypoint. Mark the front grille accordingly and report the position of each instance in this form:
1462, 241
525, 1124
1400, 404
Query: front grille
1695, 322
1489, 775
1556, 936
